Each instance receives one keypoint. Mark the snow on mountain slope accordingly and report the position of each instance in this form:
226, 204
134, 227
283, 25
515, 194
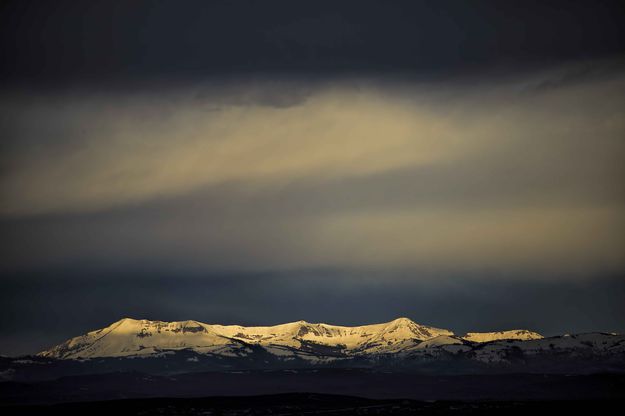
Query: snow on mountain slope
433, 346
520, 334
400, 334
440, 341
293, 334
140, 337
589, 344
143, 337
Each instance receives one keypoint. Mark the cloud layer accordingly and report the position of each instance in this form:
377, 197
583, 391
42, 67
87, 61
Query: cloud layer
523, 172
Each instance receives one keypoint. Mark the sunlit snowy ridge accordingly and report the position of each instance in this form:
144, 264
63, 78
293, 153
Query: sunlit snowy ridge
320, 342
130, 337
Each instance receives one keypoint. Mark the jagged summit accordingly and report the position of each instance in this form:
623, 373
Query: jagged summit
143, 337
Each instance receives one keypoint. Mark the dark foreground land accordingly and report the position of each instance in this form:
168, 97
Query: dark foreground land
311, 392
345, 382
313, 404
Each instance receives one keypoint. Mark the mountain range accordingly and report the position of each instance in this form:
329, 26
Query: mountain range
401, 345
314, 341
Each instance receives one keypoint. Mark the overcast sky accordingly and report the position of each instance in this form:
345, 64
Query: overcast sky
458, 163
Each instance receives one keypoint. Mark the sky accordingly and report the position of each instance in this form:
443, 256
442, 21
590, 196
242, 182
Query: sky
457, 163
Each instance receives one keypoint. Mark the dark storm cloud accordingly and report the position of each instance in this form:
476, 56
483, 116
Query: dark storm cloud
70, 42
278, 94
